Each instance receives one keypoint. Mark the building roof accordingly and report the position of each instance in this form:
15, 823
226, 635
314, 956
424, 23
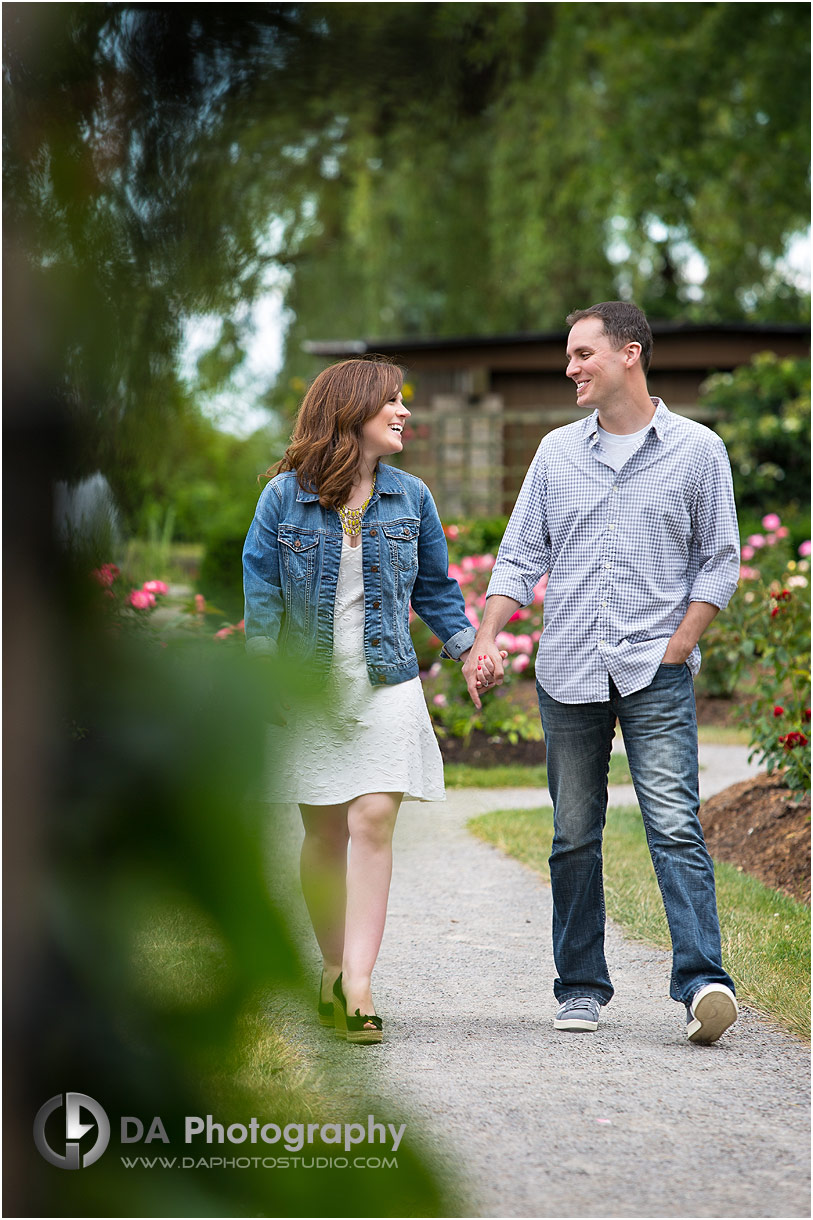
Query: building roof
387, 347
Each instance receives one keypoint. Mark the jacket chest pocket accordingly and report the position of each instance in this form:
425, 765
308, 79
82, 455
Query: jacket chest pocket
402, 542
299, 551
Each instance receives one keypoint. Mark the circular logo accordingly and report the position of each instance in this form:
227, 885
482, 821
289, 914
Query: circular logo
74, 1130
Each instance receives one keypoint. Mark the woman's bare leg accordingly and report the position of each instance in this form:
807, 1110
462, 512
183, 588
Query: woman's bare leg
323, 872
371, 822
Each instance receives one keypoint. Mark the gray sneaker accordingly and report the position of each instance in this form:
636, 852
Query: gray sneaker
578, 1014
710, 1013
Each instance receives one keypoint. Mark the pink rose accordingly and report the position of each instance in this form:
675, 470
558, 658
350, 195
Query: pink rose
223, 633
439, 700
106, 574
749, 573
756, 540
771, 521
804, 549
782, 531
155, 586
520, 663
748, 552
200, 603
472, 615
140, 599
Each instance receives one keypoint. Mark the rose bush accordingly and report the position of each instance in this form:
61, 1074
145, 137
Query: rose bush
766, 636
153, 609
453, 713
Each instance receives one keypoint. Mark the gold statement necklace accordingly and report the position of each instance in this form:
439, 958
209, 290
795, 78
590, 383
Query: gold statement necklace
351, 517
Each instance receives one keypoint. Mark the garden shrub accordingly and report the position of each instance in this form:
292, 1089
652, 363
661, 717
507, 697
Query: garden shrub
764, 411
221, 572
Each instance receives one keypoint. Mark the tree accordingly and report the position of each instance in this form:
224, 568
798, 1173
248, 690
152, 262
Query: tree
411, 168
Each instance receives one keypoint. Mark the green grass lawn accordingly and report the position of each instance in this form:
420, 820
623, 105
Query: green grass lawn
460, 775
765, 936
722, 735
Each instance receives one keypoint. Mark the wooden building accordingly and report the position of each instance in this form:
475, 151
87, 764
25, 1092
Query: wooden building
480, 405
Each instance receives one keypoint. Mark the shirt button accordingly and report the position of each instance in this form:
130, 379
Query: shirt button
373, 533
604, 603
376, 605
607, 567
612, 525
374, 568
615, 487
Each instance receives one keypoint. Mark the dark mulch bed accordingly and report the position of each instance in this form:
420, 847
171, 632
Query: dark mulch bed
757, 826
485, 751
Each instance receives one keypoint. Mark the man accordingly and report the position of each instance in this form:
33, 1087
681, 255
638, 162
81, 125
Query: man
631, 512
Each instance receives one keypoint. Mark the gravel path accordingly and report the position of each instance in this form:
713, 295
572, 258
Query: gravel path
630, 1121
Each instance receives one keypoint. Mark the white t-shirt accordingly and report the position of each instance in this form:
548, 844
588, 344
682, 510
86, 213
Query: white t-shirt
617, 448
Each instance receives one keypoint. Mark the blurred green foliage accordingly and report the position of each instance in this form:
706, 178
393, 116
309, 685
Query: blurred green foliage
221, 573
160, 964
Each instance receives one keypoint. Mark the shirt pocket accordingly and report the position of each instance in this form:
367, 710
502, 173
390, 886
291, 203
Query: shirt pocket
402, 543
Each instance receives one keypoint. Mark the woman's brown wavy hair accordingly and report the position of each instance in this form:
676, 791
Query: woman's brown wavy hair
325, 447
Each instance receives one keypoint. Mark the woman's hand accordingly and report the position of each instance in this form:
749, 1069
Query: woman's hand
483, 670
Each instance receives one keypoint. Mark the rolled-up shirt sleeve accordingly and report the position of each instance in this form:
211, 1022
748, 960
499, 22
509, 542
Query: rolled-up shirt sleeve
716, 538
264, 603
525, 551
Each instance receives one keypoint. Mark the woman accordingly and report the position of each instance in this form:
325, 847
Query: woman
338, 548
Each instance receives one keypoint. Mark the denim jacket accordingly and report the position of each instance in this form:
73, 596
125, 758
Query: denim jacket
291, 565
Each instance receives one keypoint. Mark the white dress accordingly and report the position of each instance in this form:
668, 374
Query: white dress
361, 738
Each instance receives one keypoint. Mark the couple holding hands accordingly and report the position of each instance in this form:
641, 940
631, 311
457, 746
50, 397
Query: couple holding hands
630, 511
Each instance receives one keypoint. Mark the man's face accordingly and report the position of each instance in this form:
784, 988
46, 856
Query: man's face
597, 368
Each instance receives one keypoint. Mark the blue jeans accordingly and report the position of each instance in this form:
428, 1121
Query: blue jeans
660, 735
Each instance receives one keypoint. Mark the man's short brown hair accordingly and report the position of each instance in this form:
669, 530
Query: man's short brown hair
623, 323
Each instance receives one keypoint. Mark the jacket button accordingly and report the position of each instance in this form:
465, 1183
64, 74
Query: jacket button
375, 643
382, 678
374, 568
297, 545
373, 533
376, 605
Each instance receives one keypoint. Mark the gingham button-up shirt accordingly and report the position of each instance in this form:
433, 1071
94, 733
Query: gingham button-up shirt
626, 551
